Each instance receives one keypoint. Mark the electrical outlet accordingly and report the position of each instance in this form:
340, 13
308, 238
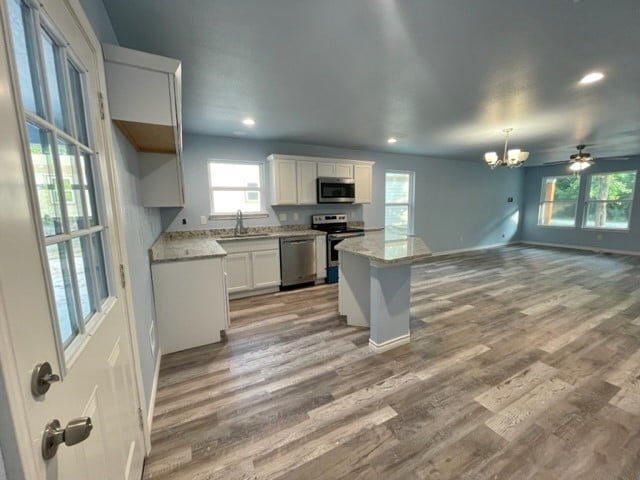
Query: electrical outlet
203, 220
152, 338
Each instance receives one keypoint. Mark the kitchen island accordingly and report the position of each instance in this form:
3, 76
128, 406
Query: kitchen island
375, 284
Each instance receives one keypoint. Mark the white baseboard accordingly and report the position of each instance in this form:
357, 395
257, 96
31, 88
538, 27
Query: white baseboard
472, 249
582, 247
154, 391
389, 344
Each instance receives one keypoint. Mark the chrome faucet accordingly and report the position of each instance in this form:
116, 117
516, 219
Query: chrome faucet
240, 228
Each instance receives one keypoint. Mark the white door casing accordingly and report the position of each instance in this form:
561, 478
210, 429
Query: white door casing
100, 376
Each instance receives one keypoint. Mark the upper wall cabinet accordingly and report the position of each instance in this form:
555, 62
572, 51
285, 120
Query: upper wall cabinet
293, 178
145, 99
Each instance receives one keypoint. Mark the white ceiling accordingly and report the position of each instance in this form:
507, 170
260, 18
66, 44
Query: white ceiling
443, 76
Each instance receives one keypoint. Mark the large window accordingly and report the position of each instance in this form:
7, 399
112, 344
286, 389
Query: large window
236, 186
62, 165
398, 199
609, 198
558, 201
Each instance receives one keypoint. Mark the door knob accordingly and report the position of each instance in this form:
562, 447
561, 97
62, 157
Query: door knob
76, 431
42, 378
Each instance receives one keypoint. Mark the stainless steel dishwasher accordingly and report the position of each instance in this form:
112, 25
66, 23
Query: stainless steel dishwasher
297, 260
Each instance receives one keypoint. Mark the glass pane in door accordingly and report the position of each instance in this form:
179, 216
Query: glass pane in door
88, 187
55, 83
61, 280
75, 82
24, 46
82, 261
99, 264
71, 184
46, 179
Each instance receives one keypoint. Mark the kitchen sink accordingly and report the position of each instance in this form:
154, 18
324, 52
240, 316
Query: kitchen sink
245, 235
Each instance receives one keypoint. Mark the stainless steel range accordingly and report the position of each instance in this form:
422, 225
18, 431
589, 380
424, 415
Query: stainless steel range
337, 230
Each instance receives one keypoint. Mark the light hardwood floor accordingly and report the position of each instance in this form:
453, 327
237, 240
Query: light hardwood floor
524, 363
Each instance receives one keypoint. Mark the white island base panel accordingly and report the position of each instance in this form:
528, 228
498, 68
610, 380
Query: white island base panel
376, 296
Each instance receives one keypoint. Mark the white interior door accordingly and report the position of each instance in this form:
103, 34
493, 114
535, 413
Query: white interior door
61, 299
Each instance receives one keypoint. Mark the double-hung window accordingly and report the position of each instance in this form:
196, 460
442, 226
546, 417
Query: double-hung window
398, 199
236, 186
559, 201
609, 199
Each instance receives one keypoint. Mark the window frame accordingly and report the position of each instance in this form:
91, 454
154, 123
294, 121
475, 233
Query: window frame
588, 201
261, 188
543, 202
411, 199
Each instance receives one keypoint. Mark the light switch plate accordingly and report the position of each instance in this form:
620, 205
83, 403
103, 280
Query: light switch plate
282, 217
203, 220
296, 216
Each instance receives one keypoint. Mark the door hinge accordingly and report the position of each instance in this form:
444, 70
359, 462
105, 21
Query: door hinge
122, 278
140, 419
101, 100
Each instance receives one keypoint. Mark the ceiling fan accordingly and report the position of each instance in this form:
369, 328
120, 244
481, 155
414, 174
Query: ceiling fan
581, 160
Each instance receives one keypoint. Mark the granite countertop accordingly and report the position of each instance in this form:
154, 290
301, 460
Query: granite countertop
384, 249
197, 244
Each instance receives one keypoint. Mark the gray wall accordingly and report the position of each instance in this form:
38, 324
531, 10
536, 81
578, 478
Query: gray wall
141, 225
3, 474
459, 205
596, 239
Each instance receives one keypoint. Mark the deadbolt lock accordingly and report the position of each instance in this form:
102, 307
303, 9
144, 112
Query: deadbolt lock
42, 378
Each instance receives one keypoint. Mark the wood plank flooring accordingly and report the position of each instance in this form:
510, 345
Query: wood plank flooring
524, 363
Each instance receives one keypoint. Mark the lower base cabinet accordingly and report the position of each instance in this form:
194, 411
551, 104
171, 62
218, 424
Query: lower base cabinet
191, 301
252, 266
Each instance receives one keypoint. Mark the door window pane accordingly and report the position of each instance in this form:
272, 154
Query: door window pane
71, 185
88, 186
24, 45
83, 264
75, 81
45, 175
99, 266
53, 73
61, 280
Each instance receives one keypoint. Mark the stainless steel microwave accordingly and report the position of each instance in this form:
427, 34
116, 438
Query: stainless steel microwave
336, 190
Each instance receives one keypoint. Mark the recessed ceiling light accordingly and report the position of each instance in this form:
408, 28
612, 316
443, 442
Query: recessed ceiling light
592, 77
249, 122
392, 140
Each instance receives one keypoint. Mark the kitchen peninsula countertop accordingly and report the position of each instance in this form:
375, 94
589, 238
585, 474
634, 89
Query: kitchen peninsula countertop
381, 248
198, 244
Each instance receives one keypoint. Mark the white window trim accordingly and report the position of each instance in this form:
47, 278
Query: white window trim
543, 202
410, 205
587, 202
232, 215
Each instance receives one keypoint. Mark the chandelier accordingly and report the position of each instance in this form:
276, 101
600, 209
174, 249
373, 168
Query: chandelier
510, 158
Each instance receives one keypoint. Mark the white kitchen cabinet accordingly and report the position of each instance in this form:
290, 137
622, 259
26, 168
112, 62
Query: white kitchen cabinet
191, 302
284, 182
321, 257
293, 178
161, 182
306, 175
363, 177
336, 170
145, 98
238, 268
266, 268
252, 265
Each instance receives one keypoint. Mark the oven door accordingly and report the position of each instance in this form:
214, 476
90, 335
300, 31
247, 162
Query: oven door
332, 241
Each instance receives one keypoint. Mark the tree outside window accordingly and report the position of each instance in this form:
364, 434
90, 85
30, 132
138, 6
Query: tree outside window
559, 201
609, 200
